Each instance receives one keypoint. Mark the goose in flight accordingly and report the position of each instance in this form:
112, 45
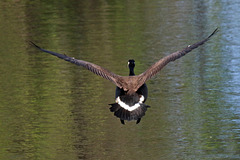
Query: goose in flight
131, 91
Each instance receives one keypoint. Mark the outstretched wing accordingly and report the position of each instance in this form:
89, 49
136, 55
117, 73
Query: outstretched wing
155, 68
98, 70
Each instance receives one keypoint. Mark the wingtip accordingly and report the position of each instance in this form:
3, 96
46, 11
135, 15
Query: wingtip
33, 44
214, 32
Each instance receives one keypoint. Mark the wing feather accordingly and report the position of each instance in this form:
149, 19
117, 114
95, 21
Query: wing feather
155, 68
98, 70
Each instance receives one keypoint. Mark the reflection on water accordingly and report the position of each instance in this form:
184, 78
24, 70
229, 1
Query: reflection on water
51, 109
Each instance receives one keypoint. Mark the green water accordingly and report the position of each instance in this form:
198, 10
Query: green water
51, 109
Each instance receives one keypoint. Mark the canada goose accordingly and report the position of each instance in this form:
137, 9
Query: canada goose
131, 91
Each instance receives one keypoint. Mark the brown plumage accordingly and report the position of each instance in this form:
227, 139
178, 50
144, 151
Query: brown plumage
130, 84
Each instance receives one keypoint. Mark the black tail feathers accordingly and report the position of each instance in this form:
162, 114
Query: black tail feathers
124, 114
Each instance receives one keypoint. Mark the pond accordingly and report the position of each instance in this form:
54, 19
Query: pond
52, 109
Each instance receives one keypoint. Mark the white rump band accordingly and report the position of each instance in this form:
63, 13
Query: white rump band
127, 107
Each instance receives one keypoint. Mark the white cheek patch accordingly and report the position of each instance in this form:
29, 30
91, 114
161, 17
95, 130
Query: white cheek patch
127, 107
141, 99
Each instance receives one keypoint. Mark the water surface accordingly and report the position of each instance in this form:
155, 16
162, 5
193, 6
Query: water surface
51, 109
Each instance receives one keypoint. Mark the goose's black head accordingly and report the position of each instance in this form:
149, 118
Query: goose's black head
131, 65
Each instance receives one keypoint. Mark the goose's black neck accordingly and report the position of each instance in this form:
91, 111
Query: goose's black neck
131, 71
131, 65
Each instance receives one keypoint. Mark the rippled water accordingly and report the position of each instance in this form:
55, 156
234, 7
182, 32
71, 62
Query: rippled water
51, 109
